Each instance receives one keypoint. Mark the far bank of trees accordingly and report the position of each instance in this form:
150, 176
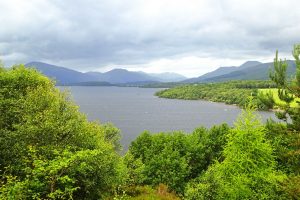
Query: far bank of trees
48, 149
232, 92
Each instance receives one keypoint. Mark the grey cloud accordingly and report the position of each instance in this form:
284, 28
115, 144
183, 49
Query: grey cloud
97, 33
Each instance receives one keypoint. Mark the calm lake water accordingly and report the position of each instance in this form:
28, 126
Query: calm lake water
134, 110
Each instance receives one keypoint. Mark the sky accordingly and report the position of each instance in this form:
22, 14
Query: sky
190, 37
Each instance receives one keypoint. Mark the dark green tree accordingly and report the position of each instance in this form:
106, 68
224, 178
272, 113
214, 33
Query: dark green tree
174, 158
288, 92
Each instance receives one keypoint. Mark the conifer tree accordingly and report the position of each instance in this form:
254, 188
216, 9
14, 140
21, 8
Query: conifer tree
288, 92
248, 170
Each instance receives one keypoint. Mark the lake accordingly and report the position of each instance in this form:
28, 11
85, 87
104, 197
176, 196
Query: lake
134, 110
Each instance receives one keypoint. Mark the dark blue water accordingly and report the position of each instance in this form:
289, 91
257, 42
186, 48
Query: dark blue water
134, 110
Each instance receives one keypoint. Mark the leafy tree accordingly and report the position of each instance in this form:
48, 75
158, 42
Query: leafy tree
135, 170
164, 157
248, 170
48, 149
174, 158
206, 146
68, 175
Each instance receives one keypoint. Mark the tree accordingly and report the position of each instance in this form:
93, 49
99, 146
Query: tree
160, 158
248, 170
48, 149
174, 158
205, 146
266, 99
288, 91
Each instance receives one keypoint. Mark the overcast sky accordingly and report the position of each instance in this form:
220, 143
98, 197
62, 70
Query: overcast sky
190, 37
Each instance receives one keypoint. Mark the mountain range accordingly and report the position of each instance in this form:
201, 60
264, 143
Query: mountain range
66, 76
250, 70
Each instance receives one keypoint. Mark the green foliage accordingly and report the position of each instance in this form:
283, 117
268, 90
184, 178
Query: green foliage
48, 149
174, 158
248, 170
135, 170
112, 135
291, 186
161, 85
278, 135
289, 94
170, 163
205, 147
267, 100
233, 92
288, 90
279, 74
1, 67
275, 98
147, 193
57, 178
285, 137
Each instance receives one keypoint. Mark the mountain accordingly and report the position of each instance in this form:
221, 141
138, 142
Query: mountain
249, 64
168, 77
65, 76
96, 75
117, 76
62, 75
257, 72
218, 72
251, 70
125, 76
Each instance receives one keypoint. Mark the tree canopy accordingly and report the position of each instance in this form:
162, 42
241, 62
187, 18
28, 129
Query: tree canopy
48, 149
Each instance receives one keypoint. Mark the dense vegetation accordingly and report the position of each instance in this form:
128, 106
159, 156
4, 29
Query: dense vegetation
276, 101
178, 157
162, 85
232, 92
48, 150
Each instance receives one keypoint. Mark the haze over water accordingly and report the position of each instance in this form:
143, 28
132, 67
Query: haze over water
134, 110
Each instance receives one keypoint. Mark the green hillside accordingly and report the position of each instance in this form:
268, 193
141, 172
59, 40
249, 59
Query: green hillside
256, 71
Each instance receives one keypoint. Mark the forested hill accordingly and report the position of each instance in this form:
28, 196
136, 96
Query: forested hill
251, 70
231, 92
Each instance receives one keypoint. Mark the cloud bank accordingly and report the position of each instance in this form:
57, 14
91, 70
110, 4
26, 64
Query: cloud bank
186, 36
